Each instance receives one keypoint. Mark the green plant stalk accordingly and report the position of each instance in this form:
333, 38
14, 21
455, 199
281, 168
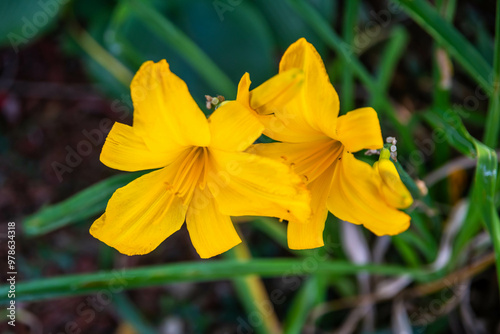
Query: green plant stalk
392, 53
173, 36
100, 55
493, 118
212, 270
349, 23
454, 42
253, 294
407, 253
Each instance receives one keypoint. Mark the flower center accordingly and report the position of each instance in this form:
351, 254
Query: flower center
191, 172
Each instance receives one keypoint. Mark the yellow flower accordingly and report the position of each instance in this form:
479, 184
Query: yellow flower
204, 175
319, 145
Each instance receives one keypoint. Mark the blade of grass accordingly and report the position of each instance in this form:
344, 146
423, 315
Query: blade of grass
80, 284
406, 251
310, 294
390, 57
100, 54
173, 36
349, 23
482, 195
77, 208
454, 42
493, 119
253, 294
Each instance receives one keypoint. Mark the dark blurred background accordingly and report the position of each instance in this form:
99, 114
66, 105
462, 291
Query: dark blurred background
56, 90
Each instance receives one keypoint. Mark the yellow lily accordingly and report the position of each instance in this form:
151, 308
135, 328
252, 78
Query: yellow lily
204, 176
319, 145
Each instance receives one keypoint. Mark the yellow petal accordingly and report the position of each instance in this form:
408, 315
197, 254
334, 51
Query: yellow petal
309, 160
246, 184
234, 127
392, 188
243, 95
165, 114
319, 101
140, 215
125, 150
288, 125
355, 197
360, 129
309, 234
277, 91
211, 232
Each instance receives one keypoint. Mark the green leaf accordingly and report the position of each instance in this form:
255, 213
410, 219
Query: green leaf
448, 124
196, 271
77, 208
483, 189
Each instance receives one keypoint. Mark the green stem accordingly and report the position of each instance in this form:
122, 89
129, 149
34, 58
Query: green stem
493, 119
210, 270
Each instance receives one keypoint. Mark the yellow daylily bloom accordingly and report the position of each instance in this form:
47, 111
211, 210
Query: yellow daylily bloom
205, 176
320, 145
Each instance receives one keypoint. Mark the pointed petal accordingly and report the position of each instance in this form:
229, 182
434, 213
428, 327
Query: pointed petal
309, 234
243, 95
360, 129
277, 91
308, 160
165, 114
125, 150
392, 188
319, 101
355, 197
246, 184
140, 216
211, 232
234, 127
